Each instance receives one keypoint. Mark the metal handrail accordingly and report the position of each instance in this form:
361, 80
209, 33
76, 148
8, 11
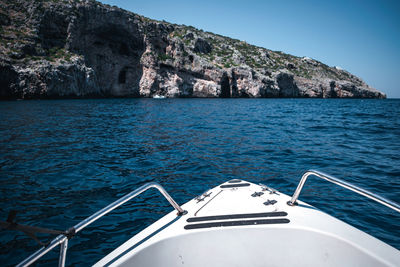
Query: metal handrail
329, 178
62, 240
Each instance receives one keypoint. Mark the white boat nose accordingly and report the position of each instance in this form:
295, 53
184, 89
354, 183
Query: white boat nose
239, 223
238, 197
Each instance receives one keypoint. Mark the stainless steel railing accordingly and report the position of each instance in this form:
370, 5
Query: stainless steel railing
62, 240
329, 178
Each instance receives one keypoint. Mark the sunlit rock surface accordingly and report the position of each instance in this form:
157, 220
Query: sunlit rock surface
57, 49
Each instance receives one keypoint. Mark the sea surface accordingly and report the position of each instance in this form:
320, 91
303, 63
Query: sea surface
62, 160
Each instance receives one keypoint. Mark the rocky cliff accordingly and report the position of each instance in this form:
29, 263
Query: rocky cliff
70, 48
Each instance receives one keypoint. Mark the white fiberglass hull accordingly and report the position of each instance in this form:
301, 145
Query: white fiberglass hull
243, 224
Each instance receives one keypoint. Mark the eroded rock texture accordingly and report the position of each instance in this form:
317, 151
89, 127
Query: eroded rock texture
52, 49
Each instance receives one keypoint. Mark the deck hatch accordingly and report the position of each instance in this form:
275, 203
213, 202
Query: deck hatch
237, 216
234, 185
235, 223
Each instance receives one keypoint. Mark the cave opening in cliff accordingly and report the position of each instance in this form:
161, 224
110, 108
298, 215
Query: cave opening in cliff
122, 77
225, 87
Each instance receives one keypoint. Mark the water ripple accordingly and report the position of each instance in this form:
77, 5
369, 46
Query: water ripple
60, 161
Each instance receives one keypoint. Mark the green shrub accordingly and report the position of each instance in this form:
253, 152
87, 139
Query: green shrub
164, 57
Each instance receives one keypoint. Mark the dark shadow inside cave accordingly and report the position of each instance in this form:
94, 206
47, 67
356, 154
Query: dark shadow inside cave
123, 49
225, 87
122, 76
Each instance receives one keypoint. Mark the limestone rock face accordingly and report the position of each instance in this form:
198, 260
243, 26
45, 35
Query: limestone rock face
57, 49
202, 46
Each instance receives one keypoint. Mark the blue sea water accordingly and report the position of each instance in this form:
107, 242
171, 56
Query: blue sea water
62, 160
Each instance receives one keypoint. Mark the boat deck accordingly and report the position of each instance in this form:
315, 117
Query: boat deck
243, 224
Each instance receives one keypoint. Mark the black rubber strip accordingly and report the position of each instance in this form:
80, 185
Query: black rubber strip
237, 216
234, 185
235, 223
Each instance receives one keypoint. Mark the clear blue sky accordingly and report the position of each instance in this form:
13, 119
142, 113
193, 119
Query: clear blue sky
362, 37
